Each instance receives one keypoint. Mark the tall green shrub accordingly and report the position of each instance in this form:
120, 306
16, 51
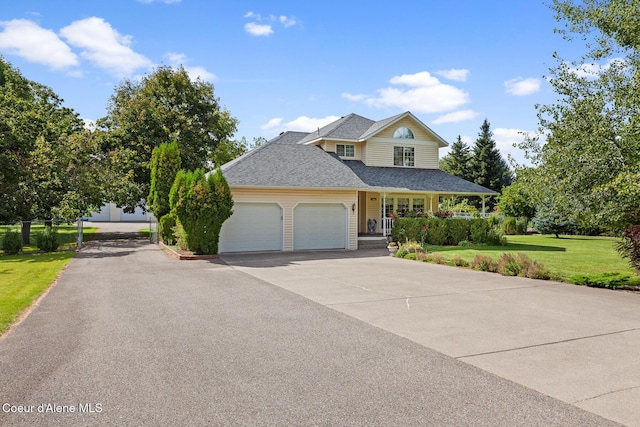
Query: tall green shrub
509, 226
47, 240
12, 242
479, 230
407, 229
202, 204
458, 230
165, 164
167, 229
437, 231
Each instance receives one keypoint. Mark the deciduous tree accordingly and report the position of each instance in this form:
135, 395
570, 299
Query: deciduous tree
164, 106
42, 163
592, 147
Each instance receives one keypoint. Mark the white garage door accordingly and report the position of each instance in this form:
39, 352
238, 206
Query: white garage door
320, 226
252, 227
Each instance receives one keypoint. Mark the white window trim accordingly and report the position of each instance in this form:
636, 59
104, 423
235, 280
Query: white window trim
344, 150
404, 156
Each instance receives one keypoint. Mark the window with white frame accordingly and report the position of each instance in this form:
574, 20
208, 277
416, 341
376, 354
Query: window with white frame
418, 206
403, 132
345, 150
404, 156
403, 206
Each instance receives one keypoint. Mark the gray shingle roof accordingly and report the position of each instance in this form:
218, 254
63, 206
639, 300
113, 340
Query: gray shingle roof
410, 179
352, 126
285, 161
290, 165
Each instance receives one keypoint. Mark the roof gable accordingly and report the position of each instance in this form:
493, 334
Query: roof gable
357, 128
382, 125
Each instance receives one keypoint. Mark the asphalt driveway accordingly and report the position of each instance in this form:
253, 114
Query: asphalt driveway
130, 336
577, 344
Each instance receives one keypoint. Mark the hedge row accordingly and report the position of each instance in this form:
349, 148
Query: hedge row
444, 232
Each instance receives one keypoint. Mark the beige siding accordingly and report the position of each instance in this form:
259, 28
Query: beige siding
374, 210
330, 147
418, 132
380, 152
288, 199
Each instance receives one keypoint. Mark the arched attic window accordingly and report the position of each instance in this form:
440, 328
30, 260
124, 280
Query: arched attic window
403, 132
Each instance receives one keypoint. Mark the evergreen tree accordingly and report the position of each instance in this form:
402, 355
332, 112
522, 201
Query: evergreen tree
458, 161
165, 164
201, 204
488, 168
551, 220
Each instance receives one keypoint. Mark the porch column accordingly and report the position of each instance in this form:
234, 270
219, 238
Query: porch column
431, 203
384, 214
482, 206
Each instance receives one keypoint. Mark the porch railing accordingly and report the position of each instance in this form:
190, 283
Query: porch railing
387, 225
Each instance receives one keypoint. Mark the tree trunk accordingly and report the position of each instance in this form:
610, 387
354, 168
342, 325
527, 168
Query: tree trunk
26, 232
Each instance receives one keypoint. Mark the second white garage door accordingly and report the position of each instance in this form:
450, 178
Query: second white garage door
320, 226
252, 227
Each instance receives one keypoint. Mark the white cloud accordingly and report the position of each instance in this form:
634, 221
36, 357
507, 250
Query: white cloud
456, 116
521, 86
593, 70
104, 46
250, 14
287, 21
273, 123
354, 97
179, 59
36, 44
426, 94
301, 124
458, 75
506, 138
258, 29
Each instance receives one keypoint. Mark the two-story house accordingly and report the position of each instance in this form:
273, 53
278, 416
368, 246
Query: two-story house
324, 189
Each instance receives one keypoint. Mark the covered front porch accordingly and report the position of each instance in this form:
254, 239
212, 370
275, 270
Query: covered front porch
378, 210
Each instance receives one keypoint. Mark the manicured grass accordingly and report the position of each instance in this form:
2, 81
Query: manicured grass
23, 278
563, 257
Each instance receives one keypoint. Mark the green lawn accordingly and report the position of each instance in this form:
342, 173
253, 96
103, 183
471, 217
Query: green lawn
564, 257
24, 277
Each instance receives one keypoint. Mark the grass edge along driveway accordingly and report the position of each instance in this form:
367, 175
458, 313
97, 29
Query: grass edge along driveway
25, 277
565, 256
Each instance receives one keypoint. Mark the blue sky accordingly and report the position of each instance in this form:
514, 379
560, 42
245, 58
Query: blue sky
294, 65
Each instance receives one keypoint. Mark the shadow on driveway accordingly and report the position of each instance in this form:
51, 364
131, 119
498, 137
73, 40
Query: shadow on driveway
282, 259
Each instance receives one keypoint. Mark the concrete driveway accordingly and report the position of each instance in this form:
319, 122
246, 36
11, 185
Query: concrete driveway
577, 344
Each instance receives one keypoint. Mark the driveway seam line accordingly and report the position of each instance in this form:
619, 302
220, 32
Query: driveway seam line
605, 394
548, 343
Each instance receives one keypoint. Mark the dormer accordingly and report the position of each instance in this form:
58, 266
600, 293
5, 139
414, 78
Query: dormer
399, 141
